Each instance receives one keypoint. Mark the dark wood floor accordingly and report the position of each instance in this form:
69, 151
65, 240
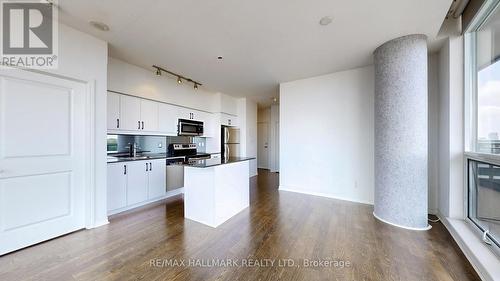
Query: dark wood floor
278, 225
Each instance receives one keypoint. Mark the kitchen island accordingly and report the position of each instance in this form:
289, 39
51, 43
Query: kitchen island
216, 189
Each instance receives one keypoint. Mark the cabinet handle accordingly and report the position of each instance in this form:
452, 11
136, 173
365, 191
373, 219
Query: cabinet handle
229, 121
117, 123
150, 166
143, 125
124, 169
139, 125
147, 167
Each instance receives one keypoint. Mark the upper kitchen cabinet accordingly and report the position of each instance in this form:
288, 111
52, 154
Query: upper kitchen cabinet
168, 119
149, 115
130, 112
126, 113
229, 120
113, 111
228, 105
190, 114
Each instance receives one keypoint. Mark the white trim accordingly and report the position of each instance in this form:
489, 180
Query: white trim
290, 189
482, 259
402, 226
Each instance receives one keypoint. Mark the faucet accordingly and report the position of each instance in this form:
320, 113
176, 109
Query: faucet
132, 150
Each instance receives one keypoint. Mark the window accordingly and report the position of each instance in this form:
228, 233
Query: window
482, 73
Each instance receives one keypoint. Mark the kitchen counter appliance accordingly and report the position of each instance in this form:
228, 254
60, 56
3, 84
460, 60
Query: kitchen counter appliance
189, 128
179, 154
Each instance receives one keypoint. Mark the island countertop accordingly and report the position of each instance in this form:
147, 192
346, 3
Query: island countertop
206, 163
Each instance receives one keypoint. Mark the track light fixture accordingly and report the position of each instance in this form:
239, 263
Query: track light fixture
180, 78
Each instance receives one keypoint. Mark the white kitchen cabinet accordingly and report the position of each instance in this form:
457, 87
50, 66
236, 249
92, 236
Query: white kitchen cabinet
229, 120
149, 116
130, 112
168, 119
113, 106
157, 178
190, 114
117, 186
137, 182
209, 124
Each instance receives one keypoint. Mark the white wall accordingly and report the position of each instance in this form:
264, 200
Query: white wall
133, 80
274, 138
451, 129
83, 57
247, 112
433, 133
327, 135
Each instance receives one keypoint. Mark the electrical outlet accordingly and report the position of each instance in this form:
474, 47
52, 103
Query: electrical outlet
160, 145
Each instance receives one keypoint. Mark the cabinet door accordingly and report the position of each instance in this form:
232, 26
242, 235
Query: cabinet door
229, 120
149, 115
130, 112
113, 111
168, 119
208, 125
157, 179
137, 182
117, 186
184, 113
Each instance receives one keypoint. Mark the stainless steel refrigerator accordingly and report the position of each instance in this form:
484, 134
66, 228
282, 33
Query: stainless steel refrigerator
230, 142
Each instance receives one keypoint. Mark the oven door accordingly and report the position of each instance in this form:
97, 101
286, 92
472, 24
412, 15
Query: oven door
190, 128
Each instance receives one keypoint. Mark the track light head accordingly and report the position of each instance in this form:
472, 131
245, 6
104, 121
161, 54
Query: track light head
179, 80
158, 72
195, 86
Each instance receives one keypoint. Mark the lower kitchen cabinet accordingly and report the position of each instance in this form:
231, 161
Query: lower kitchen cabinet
137, 182
117, 186
131, 183
157, 179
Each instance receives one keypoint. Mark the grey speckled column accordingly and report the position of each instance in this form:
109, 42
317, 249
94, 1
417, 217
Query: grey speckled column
401, 132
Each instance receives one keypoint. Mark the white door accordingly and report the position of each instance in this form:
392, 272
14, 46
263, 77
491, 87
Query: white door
117, 186
149, 115
113, 111
42, 158
137, 182
263, 145
157, 179
130, 109
167, 122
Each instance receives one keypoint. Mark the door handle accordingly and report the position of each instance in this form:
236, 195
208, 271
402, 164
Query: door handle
143, 125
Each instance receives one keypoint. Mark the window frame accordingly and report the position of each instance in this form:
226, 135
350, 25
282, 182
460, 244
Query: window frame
471, 111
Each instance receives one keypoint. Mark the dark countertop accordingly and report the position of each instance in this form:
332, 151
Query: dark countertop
217, 162
112, 159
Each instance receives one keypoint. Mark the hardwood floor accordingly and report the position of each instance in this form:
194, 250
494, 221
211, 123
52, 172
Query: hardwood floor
278, 225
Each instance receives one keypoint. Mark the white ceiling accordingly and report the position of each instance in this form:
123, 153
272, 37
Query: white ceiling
263, 42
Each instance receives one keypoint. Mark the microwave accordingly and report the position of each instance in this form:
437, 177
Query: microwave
189, 128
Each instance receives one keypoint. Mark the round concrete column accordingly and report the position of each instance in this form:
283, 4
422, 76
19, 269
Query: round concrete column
401, 132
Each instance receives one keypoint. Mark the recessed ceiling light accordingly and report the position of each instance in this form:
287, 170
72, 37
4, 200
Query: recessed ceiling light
99, 25
325, 20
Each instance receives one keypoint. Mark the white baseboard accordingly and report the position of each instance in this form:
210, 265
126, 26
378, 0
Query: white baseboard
482, 259
99, 224
402, 226
290, 189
